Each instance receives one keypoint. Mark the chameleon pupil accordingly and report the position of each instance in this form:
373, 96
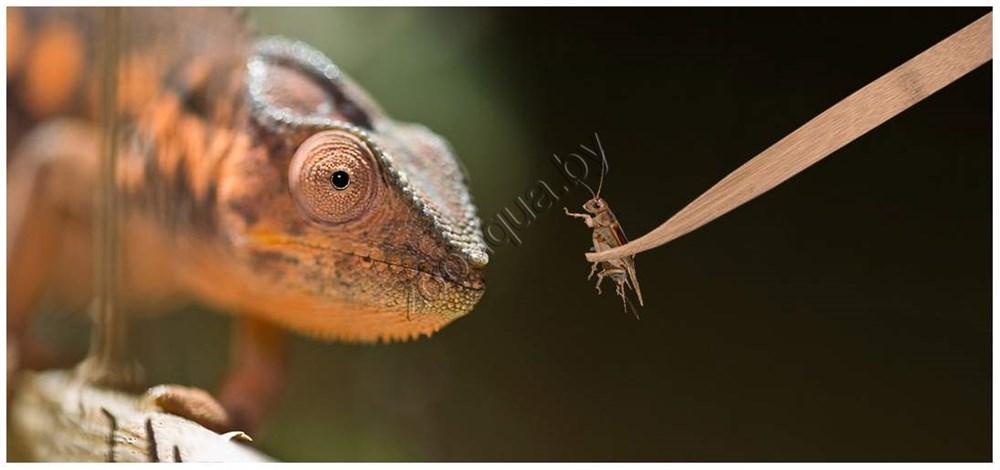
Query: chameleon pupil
340, 179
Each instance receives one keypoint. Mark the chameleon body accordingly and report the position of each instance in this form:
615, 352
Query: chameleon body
232, 161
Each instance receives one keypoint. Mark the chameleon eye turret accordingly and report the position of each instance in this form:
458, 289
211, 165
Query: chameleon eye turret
333, 177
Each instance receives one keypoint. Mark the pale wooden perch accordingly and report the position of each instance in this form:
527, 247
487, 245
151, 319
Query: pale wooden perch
54, 416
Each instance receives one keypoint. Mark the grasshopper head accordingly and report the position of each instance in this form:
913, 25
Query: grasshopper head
595, 205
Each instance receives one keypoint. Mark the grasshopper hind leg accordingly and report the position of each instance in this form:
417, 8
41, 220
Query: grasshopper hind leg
593, 269
602, 274
620, 278
626, 303
614, 273
600, 278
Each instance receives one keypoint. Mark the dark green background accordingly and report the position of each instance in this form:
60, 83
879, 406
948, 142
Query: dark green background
844, 316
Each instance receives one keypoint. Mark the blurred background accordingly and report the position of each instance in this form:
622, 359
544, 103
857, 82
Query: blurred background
844, 316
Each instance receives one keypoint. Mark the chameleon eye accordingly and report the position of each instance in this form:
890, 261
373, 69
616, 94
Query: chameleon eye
340, 179
332, 177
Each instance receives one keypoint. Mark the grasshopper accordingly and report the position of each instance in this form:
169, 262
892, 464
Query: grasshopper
608, 234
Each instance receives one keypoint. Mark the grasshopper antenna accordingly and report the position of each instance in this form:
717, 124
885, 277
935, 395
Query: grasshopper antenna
585, 185
604, 165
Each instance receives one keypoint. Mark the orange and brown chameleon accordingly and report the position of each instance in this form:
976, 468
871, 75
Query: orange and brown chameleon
254, 176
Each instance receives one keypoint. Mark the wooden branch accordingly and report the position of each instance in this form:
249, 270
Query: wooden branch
54, 416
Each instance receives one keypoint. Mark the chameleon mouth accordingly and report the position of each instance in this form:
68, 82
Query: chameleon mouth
388, 300
473, 282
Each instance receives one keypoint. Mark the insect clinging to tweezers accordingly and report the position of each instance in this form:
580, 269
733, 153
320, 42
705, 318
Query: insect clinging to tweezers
608, 234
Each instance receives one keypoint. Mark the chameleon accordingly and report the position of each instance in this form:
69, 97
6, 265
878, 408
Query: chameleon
255, 177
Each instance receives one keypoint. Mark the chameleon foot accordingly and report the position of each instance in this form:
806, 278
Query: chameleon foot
247, 397
190, 403
256, 379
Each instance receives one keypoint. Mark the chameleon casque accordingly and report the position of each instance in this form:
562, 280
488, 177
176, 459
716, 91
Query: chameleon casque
254, 176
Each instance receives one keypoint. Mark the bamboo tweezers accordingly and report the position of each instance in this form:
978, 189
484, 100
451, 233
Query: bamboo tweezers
847, 120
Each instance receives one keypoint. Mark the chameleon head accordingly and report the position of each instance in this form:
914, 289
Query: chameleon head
347, 224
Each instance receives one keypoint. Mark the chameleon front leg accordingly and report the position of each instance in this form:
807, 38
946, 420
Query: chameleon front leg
252, 385
257, 372
49, 177
30, 266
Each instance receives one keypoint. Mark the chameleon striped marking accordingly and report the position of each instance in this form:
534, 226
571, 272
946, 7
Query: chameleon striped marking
54, 68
